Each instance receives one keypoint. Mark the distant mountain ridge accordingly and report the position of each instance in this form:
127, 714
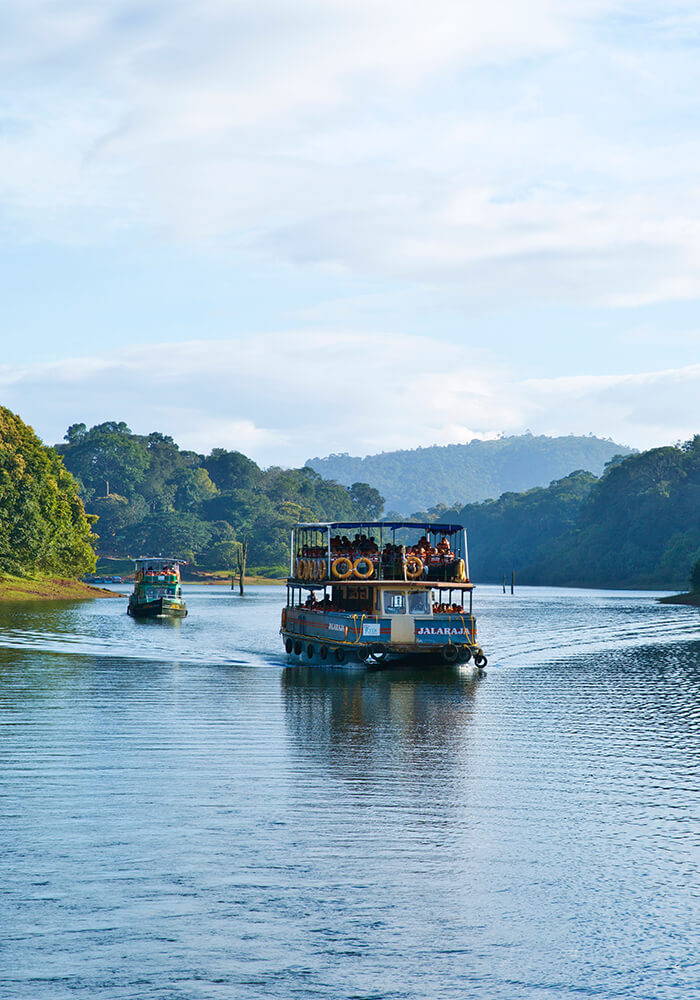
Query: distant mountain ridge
415, 479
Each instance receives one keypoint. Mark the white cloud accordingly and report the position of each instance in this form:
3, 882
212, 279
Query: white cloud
289, 396
526, 149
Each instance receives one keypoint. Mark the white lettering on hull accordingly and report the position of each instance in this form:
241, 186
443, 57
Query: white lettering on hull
442, 630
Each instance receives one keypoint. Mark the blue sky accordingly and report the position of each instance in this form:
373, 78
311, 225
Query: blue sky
341, 225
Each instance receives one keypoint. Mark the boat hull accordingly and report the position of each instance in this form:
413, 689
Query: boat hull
161, 607
339, 637
323, 651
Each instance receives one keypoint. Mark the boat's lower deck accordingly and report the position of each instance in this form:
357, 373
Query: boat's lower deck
341, 637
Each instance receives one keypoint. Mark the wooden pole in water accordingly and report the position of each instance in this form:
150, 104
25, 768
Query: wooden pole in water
241, 559
504, 583
512, 581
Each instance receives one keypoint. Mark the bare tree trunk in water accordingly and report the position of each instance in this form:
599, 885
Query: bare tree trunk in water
241, 560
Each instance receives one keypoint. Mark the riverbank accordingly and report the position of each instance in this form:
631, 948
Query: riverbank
225, 581
41, 588
692, 599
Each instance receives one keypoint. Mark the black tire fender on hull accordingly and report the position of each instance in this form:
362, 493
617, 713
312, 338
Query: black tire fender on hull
450, 654
379, 653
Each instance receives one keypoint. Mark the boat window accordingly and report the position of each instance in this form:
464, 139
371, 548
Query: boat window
419, 603
394, 602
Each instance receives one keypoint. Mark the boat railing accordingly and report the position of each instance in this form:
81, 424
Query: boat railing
346, 567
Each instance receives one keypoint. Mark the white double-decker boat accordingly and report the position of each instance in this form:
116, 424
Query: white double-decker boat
369, 591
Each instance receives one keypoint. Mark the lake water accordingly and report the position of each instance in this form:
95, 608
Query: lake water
184, 816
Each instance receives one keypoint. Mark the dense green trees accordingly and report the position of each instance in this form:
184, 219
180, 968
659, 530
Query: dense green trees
515, 531
43, 525
152, 497
469, 472
640, 525
636, 526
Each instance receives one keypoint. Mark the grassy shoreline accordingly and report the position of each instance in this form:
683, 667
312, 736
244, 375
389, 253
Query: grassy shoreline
45, 588
692, 599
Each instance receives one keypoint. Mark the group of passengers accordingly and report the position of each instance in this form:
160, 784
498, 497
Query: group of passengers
157, 572
360, 545
433, 555
340, 545
311, 604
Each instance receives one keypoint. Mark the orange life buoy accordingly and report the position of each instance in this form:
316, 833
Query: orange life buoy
414, 567
363, 568
342, 568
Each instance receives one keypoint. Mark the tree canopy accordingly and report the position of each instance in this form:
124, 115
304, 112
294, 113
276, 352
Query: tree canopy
638, 525
150, 495
43, 524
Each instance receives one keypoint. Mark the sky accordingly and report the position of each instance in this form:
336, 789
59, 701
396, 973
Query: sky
298, 227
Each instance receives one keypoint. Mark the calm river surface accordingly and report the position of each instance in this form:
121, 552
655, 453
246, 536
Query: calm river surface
184, 816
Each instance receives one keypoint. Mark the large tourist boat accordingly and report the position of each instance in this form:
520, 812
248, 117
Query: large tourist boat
157, 590
372, 591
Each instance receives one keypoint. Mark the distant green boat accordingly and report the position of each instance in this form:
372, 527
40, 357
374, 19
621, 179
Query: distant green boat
157, 591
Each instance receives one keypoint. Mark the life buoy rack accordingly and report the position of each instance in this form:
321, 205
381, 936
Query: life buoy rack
363, 568
414, 567
342, 568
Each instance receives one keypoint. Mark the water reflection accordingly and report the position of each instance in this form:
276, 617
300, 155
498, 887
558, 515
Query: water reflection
182, 816
400, 718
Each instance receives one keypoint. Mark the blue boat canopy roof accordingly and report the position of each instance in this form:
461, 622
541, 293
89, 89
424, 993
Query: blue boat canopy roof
433, 526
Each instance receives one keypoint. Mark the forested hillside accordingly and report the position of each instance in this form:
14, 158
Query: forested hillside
636, 526
464, 473
152, 497
43, 525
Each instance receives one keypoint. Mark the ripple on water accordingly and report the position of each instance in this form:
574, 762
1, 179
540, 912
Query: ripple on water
185, 816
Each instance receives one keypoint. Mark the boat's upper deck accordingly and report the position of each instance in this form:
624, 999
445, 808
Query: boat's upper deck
160, 569
424, 554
